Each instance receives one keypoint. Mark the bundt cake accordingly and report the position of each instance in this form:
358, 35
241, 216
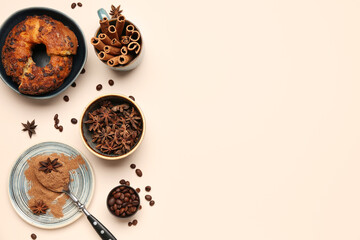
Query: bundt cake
61, 43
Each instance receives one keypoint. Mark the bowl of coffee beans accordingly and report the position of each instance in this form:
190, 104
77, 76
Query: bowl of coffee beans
112, 126
123, 201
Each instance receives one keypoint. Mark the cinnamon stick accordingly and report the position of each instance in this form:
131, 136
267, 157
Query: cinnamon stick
129, 29
120, 23
115, 43
124, 59
112, 33
124, 50
105, 39
97, 43
112, 50
135, 36
113, 62
125, 40
134, 47
104, 24
104, 56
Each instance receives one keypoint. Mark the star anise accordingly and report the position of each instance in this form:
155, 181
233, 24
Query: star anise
30, 127
133, 118
94, 120
106, 115
109, 147
105, 134
48, 166
39, 208
115, 11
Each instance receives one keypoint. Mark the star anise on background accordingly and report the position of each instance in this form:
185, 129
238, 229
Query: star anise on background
39, 208
115, 11
48, 166
30, 127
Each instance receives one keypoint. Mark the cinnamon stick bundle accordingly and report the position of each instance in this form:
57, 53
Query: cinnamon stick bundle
115, 43
135, 36
104, 24
112, 33
112, 50
129, 29
97, 43
103, 56
134, 47
105, 39
120, 23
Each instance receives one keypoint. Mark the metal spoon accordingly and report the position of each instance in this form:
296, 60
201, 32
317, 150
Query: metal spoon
103, 232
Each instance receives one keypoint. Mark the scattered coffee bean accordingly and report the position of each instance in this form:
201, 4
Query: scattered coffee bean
56, 126
56, 116
140, 207
33, 236
83, 71
122, 181
138, 172
66, 98
127, 183
74, 121
152, 203
111, 82
148, 188
129, 224
79, 4
99, 87
134, 222
73, 5
73, 84
133, 166
137, 190
61, 128
131, 97
148, 197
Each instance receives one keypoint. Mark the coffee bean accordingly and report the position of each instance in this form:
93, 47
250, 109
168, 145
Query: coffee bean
134, 222
118, 202
66, 98
137, 190
73, 5
135, 203
118, 189
140, 207
73, 84
123, 214
129, 224
115, 206
112, 208
133, 166
138, 172
122, 181
82, 71
79, 4
117, 195
148, 197
117, 212
148, 188
57, 121
122, 196
131, 191
127, 183
152, 202
111, 82
126, 199
61, 128
131, 97
56, 116
56, 126
111, 201
127, 194
99, 87
33, 236
74, 121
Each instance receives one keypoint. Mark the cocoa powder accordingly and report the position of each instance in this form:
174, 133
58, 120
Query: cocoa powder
55, 201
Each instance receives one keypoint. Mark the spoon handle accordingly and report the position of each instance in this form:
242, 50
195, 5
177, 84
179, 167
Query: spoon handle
103, 232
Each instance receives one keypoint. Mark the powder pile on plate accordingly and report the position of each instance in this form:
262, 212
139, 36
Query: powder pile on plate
54, 201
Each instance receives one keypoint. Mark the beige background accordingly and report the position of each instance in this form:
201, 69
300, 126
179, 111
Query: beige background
253, 115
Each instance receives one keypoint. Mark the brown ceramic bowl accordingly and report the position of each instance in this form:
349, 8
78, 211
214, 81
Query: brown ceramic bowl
86, 135
110, 195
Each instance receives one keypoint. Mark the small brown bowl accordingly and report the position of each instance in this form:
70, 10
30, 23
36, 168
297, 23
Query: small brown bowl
111, 201
86, 135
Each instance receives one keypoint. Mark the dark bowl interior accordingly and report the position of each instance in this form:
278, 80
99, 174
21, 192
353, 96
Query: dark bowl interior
39, 54
115, 99
109, 196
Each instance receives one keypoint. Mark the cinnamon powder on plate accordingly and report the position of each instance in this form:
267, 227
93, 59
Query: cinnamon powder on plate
55, 201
